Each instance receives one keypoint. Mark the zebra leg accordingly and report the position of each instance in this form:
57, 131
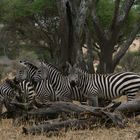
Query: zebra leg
1, 105
93, 101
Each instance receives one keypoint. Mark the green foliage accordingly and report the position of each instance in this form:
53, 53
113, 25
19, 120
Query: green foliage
105, 10
14, 9
130, 22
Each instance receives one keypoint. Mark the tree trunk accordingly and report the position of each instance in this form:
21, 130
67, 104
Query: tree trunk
106, 60
64, 29
90, 55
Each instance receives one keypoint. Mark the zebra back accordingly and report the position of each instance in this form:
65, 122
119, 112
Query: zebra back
106, 86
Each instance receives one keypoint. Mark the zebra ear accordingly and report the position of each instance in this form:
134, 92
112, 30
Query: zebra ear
41, 63
44, 64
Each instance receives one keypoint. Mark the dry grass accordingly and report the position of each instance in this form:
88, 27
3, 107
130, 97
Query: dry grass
8, 132
130, 132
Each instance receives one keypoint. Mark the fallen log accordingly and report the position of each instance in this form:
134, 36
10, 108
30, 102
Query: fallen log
75, 124
57, 108
130, 108
58, 126
22, 106
65, 110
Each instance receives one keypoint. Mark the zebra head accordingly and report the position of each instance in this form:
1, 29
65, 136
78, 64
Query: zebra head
24, 63
73, 75
28, 70
41, 72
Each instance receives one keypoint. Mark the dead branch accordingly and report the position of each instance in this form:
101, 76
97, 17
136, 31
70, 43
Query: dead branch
124, 47
86, 117
75, 124
58, 126
129, 108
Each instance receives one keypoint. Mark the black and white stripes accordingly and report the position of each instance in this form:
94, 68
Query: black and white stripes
59, 82
108, 87
8, 92
41, 91
46, 83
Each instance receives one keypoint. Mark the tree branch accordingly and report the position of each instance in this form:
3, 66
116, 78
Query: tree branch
125, 9
90, 55
127, 44
81, 15
116, 12
98, 28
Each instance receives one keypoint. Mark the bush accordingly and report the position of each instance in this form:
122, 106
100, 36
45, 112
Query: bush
130, 62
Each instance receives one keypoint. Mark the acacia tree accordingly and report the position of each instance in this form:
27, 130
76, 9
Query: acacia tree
106, 27
111, 40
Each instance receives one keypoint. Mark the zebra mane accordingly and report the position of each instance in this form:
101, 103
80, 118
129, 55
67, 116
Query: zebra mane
29, 64
53, 66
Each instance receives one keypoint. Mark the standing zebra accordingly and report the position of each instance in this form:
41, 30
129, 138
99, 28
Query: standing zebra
96, 86
59, 82
40, 91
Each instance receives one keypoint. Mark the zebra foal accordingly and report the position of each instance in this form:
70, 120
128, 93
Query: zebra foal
108, 87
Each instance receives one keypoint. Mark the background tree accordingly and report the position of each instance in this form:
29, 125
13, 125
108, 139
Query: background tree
111, 25
58, 29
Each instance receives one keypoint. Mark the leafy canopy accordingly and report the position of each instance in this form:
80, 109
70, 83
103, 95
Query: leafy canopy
14, 9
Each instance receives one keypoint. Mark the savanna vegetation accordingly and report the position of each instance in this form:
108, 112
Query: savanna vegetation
57, 30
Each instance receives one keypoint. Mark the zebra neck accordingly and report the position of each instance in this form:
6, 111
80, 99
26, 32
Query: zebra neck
84, 79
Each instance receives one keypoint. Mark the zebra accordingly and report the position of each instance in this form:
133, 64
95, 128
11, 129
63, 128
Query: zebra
44, 92
59, 82
24, 81
8, 91
27, 72
40, 92
105, 86
27, 92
